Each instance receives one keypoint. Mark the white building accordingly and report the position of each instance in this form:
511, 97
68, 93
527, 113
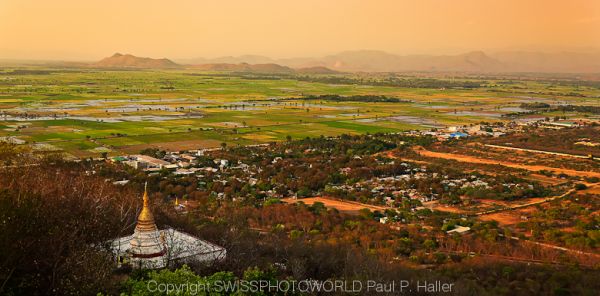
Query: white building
459, 229
146, 162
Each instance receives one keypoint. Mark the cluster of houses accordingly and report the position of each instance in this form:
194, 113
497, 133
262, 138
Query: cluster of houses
185, 163
498, 130
557, 123
395, 188
389, 189
178, 163
461, 132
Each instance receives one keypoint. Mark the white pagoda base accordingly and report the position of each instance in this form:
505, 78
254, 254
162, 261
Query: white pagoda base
179, 247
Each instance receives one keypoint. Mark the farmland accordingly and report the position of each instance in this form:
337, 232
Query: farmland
85, 112
427, 175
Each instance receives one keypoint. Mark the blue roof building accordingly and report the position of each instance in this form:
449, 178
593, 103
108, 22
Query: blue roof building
458, 135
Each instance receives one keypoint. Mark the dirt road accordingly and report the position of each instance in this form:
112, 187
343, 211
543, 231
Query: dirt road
537, 202
537, 151
342, 206
533, 168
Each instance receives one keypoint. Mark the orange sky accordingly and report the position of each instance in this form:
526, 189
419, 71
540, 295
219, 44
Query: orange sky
91, 29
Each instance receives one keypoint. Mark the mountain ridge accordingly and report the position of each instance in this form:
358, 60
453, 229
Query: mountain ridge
119, 60
243, 67
473, 61
378, 61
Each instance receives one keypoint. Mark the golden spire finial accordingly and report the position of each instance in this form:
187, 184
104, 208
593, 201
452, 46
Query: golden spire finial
145, 219
146, 194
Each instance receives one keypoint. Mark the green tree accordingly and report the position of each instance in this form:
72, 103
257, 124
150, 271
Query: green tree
183, 278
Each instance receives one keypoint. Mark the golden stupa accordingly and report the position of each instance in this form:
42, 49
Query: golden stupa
147, 241
146, 219
151, 248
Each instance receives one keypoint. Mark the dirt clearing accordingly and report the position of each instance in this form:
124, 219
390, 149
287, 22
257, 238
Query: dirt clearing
342, 206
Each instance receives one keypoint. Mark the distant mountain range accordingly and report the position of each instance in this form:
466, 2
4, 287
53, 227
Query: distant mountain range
130, 61
378, 61
118, 60
243, 67
477, 61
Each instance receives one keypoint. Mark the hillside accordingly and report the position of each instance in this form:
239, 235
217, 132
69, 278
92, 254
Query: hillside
130, 61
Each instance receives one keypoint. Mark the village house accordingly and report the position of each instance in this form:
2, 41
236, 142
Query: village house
459, 230
145, 162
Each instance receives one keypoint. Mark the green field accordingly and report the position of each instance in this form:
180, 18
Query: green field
85, 112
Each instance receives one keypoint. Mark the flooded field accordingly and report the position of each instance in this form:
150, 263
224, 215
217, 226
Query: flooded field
84, 111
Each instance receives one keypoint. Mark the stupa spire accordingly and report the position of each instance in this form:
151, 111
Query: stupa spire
145, 194
146, 242
146, 219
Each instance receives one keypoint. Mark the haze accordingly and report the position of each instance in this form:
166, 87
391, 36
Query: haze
89, 30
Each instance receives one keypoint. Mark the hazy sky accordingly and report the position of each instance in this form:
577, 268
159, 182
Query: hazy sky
91, 29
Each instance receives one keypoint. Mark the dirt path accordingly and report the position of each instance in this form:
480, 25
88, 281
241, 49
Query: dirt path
545, 245
340, 205
390, 154
537, 151
533, 168
517, 259
537, 202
